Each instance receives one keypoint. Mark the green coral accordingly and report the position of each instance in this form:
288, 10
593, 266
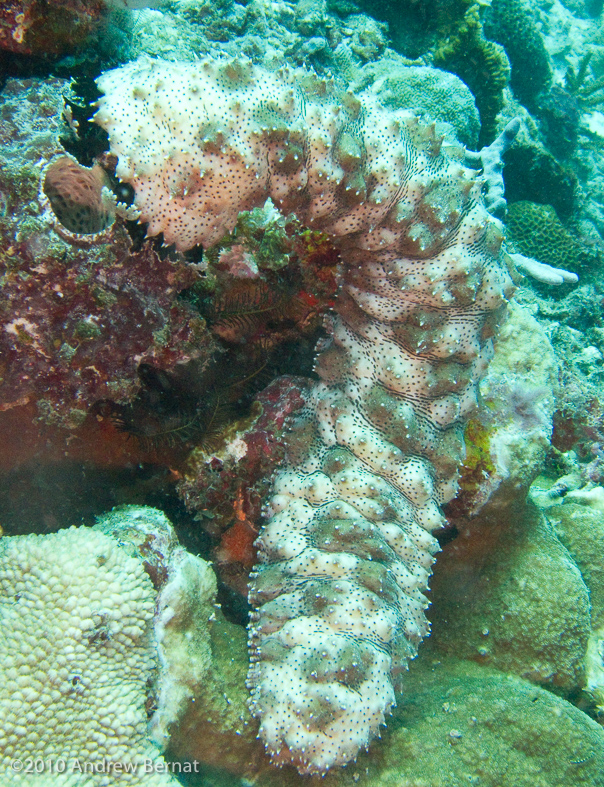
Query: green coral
536, 231
481, 64
512, 24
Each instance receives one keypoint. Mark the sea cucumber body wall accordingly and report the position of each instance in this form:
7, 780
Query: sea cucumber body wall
345, 554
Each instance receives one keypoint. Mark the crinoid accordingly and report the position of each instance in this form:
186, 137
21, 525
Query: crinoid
166, 413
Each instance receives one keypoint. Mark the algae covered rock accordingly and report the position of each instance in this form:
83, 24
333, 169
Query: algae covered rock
581, 529
217, 728
508, 438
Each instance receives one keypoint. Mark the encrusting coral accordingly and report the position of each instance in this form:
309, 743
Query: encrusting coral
77, 315
345, 555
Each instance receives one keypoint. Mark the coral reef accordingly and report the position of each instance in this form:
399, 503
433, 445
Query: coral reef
346, 553
77, 615
152, 355
480, 63
76, 319
512, 24
450, 36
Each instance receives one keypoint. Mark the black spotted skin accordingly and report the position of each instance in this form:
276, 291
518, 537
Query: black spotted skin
347, 548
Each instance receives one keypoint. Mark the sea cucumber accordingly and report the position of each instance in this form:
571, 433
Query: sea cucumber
345, 555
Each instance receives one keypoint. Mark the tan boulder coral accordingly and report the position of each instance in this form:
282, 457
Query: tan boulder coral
525, 605
79, 649
581, 530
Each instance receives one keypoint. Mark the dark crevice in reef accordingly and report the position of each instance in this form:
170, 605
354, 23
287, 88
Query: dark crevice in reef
91, 141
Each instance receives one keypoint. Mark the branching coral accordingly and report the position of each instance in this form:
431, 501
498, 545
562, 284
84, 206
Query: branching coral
588, 92
345, 555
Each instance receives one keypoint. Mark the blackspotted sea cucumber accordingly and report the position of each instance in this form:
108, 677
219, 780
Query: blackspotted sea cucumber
345, 555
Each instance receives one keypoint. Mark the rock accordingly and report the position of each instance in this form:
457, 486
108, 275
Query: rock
507, 593
581, 530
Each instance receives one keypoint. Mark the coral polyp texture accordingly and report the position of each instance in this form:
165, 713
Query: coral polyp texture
345, 555
77, 655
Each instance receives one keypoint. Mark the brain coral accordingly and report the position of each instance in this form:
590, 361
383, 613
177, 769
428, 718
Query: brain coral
346, 552
536, 231
76, 653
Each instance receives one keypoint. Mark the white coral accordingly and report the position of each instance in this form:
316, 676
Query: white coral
77, 650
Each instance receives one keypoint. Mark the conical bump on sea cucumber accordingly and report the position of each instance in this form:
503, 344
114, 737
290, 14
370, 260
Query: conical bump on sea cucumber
345, 554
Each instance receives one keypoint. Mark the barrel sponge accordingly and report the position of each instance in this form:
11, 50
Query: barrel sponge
76, 653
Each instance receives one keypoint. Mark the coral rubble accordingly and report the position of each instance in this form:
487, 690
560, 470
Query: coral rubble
345, 555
